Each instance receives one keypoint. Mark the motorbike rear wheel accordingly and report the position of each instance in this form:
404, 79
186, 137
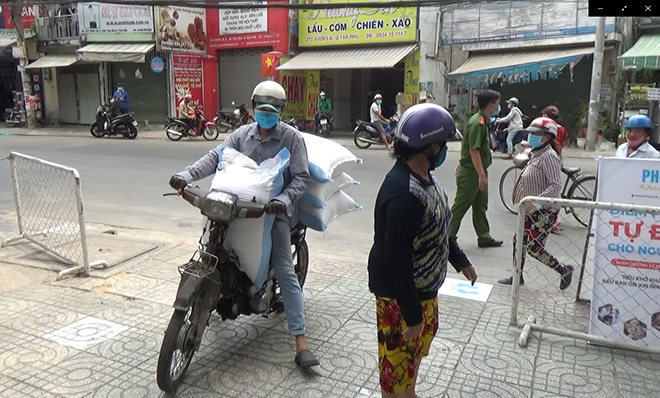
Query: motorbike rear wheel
96, 131
132, 132
177, 351
210, 133
301, 261
361, 144
175, 127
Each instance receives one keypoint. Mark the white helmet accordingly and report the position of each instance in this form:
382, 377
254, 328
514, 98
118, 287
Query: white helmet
269, 92
377, 97
322, 93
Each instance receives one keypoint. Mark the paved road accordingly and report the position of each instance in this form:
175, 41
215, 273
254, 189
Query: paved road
123, 182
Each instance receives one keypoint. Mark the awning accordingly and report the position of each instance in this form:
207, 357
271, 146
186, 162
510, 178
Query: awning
516, 67
53, 61
114, 52
353, 58
645, 54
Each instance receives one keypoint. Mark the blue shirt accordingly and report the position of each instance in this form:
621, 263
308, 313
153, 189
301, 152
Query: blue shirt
123, 95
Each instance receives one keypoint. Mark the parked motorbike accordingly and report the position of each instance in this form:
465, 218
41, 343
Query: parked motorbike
212, 280
176, 128
12, 117
109, 122
239, 117
291, 122
365, 134
325, 125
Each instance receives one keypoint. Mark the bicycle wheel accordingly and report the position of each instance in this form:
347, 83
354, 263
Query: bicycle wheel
582, 189
507, 183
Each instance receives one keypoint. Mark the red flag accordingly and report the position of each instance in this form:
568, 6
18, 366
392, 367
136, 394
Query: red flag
269, 62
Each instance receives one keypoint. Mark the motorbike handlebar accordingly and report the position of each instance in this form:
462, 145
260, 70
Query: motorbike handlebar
197, 197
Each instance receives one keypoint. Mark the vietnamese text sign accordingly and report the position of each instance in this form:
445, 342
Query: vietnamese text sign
244, 20
27, 17
115, 18
350, 25
653, 94
188, 77
313, 88
293, 82
625, 304
181, 29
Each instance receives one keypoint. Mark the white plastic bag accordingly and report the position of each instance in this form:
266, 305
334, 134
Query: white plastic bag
319, 192
318, 219
327, 159
251, 239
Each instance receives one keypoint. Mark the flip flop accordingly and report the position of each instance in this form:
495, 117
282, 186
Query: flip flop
305, 359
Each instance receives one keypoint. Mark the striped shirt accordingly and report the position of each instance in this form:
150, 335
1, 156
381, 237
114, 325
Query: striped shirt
542, 175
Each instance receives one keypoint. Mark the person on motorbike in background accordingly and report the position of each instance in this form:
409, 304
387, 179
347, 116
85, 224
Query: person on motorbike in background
377, 118
324, 106
122, 98
638, 132
260, 141
514, 118
187, 113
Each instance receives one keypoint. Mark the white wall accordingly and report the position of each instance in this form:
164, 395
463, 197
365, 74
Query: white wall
432, 67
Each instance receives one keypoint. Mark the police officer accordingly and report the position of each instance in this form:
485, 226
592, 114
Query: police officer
471, 175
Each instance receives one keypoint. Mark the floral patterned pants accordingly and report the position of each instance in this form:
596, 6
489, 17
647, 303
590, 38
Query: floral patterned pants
398, 359
537, 228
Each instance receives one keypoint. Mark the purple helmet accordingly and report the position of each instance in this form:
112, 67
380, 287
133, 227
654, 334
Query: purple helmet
424, 124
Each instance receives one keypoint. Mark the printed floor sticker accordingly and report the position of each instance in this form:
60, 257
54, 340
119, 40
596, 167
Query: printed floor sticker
86, 333
464, 289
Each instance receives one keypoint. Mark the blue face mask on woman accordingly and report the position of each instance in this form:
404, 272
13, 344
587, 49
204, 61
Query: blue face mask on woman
534, 140
379, 102
266, 119
440, 158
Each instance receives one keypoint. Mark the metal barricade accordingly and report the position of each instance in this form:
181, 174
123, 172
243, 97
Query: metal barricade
49, 210
601, 267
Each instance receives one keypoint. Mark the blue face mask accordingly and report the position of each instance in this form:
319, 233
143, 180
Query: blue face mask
534, 140
440, 158
497, 112
379, 102
323, 97
266, 119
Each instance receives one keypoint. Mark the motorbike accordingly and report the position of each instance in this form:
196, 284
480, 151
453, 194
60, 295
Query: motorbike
499, 134
234, 120
325, 125
12, 117
212, 281
176, 128
110, 122
365, 134
291, 122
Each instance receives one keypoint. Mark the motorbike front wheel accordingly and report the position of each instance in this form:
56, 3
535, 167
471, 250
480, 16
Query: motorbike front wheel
175, 127
210, 133
301, 261
132, 132
96, 130
177, 351
361, 144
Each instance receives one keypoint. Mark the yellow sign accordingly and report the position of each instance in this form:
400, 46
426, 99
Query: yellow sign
341, 26
313, 84
293, 82
411, 79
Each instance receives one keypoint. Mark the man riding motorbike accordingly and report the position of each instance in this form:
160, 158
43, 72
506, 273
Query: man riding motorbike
324, 106
514, 118
260, 141
377, 118
188, 114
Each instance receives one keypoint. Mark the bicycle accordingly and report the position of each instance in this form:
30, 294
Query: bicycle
578, 185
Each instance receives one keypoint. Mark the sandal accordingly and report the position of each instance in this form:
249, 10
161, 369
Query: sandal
305, 359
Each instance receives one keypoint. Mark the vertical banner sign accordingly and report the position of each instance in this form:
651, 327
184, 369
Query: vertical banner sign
411, 79
293, 82
188, 74
37, 82
625, 303
313, 86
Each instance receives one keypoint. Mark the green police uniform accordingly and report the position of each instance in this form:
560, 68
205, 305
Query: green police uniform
468, 195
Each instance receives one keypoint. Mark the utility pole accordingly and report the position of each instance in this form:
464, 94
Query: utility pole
17, 20
594, 96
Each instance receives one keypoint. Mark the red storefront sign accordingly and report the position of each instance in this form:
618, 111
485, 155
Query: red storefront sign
27, 16
263, 27
188, 78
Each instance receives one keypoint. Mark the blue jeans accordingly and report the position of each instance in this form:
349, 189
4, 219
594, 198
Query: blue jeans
509, 140
282, 262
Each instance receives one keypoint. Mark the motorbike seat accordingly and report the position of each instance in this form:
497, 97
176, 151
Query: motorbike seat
570, 171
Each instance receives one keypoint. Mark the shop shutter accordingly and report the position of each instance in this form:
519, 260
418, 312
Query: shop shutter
239, 71
565, 94
149, 100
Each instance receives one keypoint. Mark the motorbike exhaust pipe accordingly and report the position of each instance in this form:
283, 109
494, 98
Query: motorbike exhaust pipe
368, 140
173, 132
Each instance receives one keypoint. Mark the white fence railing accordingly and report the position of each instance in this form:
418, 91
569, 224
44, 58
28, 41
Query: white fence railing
49, 210
609, 302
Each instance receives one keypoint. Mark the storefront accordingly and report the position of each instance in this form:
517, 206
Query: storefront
353, 55
237, 38
10, 79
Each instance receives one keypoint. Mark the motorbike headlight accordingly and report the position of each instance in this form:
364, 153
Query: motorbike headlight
237, 112
219, 206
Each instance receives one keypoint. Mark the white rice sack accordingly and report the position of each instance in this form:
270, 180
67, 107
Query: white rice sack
327, 159
251, 239
318, 192
337, 205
